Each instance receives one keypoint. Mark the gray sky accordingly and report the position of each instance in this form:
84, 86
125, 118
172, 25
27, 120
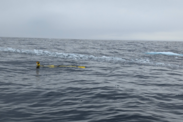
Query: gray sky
93, 19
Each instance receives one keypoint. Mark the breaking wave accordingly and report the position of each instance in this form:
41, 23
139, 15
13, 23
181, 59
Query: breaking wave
144, 61
164, 53
63, 55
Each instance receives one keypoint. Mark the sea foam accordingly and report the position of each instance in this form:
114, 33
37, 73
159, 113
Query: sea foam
63, 55
144, 61
164, 53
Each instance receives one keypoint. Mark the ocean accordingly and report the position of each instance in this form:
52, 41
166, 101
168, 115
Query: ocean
124, 81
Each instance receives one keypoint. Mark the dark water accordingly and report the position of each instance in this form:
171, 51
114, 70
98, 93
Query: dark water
124, 81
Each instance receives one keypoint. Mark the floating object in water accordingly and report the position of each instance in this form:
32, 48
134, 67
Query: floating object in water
38, 65
54, 66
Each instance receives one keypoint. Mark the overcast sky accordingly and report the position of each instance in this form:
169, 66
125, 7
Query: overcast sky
93, 19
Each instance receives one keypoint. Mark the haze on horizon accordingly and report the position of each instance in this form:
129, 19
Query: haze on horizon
93, 19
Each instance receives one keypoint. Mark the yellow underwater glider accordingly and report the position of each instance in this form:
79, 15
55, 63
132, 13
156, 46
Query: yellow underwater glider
38, 65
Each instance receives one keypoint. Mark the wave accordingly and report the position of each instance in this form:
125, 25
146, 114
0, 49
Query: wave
164, 53
74, 56
142, 61
63, 55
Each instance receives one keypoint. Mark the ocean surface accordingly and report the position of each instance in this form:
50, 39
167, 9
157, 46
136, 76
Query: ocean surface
124, 81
